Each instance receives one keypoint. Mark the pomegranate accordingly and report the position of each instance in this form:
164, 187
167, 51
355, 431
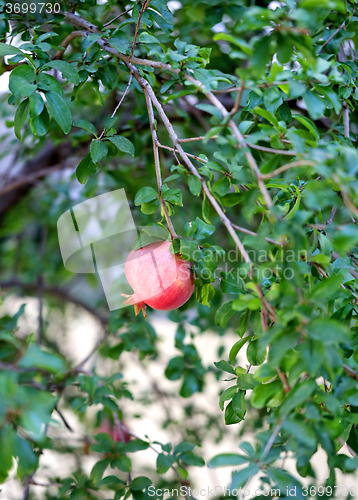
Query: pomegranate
115, 433
159, 278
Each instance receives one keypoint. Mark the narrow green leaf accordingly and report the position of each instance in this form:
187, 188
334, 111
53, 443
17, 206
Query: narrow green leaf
122, 143
226, 460
21, 116
85, 169
59, 110
66, 69
98, 150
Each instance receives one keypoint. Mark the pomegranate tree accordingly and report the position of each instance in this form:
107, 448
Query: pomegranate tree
159, 278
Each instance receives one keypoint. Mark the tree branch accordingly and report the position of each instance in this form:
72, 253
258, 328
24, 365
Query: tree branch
157, 164
288, 166
120, 102
56, 292
144, 6
59, 54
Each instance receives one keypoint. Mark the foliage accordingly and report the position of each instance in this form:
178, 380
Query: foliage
273, 180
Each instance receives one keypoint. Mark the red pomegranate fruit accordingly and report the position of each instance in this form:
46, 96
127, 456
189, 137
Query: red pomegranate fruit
117, 435
159, 278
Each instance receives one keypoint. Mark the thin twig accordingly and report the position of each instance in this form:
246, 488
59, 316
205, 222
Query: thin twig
331, 217
274, 435
40, 282
120, 102
288, 166
92, 352
59, 54
252, 146
56, 292
27, 487
117, 17
188, 154
63, 419
239, 137
157, 165
283, 378
272, 150
236, 106
350, 372
252, 233
144, 6
29, 179
337, 30
346, 119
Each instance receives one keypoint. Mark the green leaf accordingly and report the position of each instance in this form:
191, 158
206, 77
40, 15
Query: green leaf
36, 105
190, 458
98, 150
119, 43
226, 460
144, 195
272, 99
28, 460
37, 357
224, 366
255, 353
9, 50
190, 384
308, 124
66, 69
205, 293
209, 108
21, 117
123, 463
221, 186
261, 56
122, 143
59, 110
226, 396
190, 228
89, 40
140, 483
98, 470
268, 116
294, 399
41, 123
239, 404
236, 348
329, 331
175, 368
194, 185
85, 169
183, 446
151, 207
7, 436
224, 313
164, 462
21, 81
86, 125
172, 196
315, 104
203, 230
189, 250
263, 393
